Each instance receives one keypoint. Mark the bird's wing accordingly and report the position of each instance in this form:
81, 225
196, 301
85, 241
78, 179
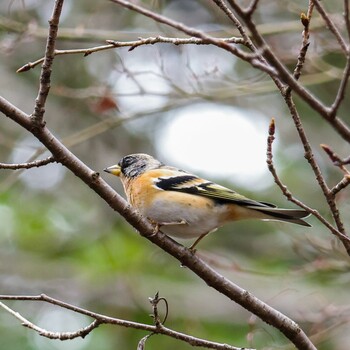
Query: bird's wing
191, 184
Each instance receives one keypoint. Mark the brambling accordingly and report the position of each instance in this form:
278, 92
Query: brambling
184, 205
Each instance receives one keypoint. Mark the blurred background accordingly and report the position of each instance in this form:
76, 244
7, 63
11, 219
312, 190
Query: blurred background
195, 107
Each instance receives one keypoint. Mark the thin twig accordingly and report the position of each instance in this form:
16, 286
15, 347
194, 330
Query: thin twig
82, 332
305, 20
45, 76
339, 125
347, 17
345, 161
318, 174
331, 26
36, 163
112, 44
344, 238
251, 58
82, 34
340, 185
100, 319
342, 88
336, 160
236, 22
249, 11
154, 302
340, 232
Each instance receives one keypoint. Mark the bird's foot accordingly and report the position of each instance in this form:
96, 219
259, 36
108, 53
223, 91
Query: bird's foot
157, 225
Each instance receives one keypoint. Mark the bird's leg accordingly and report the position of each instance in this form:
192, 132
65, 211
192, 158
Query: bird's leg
192, 247
158, 225
182, 222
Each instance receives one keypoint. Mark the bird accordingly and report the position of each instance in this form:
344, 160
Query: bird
184, 205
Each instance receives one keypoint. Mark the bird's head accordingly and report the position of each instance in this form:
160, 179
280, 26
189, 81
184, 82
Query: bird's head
133, 165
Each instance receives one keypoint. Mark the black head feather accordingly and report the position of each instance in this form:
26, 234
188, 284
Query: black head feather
136, 164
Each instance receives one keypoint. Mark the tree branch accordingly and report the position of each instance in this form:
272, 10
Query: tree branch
45, 76
331, 25
343, 238
36, 163
112, 44
100, 319
212, 278
251, 58
338, 124
249, 11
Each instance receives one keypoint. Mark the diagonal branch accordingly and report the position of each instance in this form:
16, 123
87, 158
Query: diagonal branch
248, 57
236, 22
344, 238
339, 125
45, 76
347, 17
249, 11
340, 231
331, 26
343, 183
342, 88
211, 277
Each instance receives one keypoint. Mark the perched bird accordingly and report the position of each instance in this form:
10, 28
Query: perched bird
186, 206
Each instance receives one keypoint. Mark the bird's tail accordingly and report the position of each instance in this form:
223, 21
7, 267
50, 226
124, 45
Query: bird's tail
294, 216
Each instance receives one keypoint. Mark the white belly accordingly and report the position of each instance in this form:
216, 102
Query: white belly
198, 215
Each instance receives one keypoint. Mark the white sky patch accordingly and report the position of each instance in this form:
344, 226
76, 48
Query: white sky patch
43, 178
218, 141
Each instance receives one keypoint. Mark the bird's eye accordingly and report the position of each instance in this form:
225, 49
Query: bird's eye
126, 161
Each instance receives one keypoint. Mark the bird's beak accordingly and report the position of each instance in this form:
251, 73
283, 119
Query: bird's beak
114, 169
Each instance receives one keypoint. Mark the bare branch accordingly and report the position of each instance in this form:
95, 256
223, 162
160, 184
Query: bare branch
342, 89
249, 11
213, 279
83, 332
331, 26
236, 22
36, 163
345, 161
318, 174
340, 185
112, 44
347, 17
154, 302
251, 58
337, 161
339, 232
305, 20
175, 41
343, 237
45, 76
284, 74
97, 35
100, 319
345, 47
